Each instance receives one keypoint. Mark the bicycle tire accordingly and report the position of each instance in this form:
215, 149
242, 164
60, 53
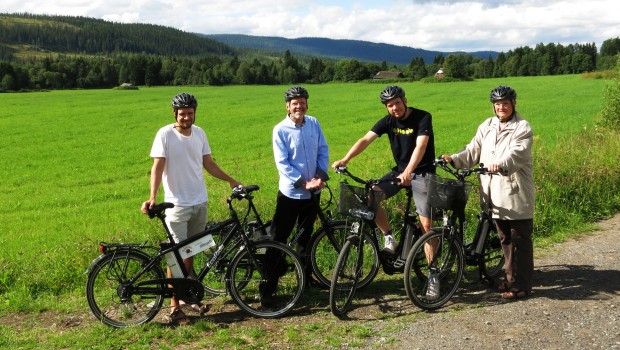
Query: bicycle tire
346, 277
492, 261
107, 280
245, 276
450, 263
324, 255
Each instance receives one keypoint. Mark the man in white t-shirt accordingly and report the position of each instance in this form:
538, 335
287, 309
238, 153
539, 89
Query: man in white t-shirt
180, 152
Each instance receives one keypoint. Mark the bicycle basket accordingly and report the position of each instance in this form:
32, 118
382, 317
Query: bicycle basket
355, 201
448, 194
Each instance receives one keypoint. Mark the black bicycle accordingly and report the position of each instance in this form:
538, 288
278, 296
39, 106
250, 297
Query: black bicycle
451, 253
325, 243
357, 265
127, 286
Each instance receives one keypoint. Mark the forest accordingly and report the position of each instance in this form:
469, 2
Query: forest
60, 52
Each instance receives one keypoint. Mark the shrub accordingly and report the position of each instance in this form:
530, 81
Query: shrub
611, 107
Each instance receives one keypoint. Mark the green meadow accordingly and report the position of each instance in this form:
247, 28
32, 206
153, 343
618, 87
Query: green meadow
74, 165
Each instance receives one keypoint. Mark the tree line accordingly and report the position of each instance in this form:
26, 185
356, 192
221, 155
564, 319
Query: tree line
120, 54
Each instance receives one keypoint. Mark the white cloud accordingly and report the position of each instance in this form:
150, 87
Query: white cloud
444, 25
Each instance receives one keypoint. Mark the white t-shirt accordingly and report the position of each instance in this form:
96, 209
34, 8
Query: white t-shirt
183, 177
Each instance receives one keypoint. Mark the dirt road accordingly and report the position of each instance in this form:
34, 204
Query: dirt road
575, 305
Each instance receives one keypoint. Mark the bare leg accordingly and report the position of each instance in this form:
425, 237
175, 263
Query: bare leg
380, 216
430, 246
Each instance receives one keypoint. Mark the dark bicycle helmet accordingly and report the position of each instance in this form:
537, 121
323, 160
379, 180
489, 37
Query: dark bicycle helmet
503, 92
296, 92
390, 93
183, 100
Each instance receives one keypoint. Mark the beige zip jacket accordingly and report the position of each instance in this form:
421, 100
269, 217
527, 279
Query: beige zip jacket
509, 195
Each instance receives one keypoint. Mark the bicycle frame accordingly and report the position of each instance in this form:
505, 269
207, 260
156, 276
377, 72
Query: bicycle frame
474, 250
236, 234
395, 262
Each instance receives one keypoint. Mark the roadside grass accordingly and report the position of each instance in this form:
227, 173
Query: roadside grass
75, 166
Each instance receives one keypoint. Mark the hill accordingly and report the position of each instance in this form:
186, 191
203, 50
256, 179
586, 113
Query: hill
31, 34
338, 49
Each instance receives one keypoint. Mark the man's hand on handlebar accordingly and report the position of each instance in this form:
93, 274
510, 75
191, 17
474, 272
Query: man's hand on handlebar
404, 179
338, 164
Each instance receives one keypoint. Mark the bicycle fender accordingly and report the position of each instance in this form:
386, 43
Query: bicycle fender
113, 251
93, 263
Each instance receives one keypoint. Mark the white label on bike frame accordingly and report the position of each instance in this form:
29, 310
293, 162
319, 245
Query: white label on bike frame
175, 268
196, 246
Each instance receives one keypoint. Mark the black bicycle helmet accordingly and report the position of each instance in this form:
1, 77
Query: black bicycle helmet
184, 100
503, 92
296, 92
390, 93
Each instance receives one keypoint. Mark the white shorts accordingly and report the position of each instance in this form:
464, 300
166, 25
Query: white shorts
185, 222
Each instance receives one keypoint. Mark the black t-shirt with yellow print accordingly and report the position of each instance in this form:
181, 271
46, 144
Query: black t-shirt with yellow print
402, 135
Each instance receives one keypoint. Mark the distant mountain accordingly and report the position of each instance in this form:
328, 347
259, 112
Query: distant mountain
338, 49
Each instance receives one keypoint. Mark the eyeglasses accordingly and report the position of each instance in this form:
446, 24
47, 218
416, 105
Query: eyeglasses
504, 104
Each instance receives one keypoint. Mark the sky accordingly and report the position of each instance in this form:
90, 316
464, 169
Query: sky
436, 25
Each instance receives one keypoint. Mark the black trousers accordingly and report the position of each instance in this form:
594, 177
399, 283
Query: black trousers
289, 213
516, 239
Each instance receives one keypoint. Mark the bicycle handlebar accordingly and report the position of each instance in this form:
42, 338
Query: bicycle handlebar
343, 170
462, 173
241, 192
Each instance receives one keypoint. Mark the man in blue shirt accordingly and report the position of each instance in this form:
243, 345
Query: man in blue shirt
301, 156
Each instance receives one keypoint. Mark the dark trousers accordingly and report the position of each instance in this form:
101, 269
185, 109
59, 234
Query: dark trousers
516, 239
290, 213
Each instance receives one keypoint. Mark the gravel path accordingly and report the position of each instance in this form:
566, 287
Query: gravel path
575, 305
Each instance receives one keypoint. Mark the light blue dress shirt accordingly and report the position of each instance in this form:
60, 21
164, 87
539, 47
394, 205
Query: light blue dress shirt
301, 154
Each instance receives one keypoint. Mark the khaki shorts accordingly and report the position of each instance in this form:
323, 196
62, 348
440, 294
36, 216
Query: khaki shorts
185, 222
419, 187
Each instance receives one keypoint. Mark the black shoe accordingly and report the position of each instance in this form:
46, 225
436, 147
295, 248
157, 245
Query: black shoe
267, 301
266, 290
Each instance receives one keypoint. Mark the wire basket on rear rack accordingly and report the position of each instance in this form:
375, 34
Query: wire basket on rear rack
448, 194
356, 201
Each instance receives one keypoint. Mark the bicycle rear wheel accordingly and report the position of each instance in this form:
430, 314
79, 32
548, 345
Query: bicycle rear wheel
346, 277
449, 259
492, 262
113, 300
324, 253
248, 272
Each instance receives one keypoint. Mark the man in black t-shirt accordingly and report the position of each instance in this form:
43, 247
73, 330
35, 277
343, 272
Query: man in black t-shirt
410, 133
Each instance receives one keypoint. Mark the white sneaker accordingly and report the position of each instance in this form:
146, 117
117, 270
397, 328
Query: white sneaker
432, 291
390, 244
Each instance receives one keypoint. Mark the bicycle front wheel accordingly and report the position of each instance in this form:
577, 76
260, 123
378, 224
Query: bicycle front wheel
492, 260
116, 302
346, 277
326, 244
449, 261
214, 280
248, 274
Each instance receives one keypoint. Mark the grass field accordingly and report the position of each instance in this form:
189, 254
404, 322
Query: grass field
74, 165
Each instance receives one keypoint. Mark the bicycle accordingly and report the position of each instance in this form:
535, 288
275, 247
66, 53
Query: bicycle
126, 284
451, 252
357, 266
324, 244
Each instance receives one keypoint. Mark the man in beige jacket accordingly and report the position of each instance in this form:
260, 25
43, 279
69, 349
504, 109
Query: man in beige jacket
503, 143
